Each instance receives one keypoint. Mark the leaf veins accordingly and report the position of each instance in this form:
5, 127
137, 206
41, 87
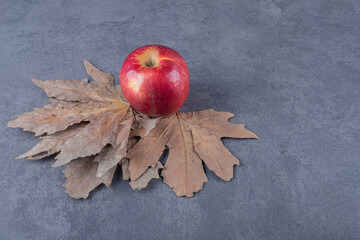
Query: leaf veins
191, 138
92, 129
86, 121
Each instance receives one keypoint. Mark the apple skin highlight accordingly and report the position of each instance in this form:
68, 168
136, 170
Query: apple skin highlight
155, 80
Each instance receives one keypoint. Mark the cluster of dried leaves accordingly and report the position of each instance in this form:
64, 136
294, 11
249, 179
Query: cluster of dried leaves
92, 129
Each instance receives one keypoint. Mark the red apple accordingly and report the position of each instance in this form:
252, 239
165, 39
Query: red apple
155, 80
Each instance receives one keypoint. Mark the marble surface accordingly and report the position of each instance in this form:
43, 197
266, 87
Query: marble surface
289, 70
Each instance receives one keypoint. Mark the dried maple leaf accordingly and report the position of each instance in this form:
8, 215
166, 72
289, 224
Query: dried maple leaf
144, 126
145, 178
191, 138
82, 173
91, 128
81, 177
88, 122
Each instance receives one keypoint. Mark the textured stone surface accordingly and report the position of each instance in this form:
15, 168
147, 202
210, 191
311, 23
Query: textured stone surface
289, 70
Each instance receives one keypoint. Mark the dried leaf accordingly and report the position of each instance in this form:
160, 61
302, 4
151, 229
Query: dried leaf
147, 124
84, 120
51, 144
191, 138
145, 178
107, 159
81, 177
114, 155
90, 127
125, 168
98, 103
125, 161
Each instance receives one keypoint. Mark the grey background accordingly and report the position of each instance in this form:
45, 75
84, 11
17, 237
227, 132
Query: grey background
289, 70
